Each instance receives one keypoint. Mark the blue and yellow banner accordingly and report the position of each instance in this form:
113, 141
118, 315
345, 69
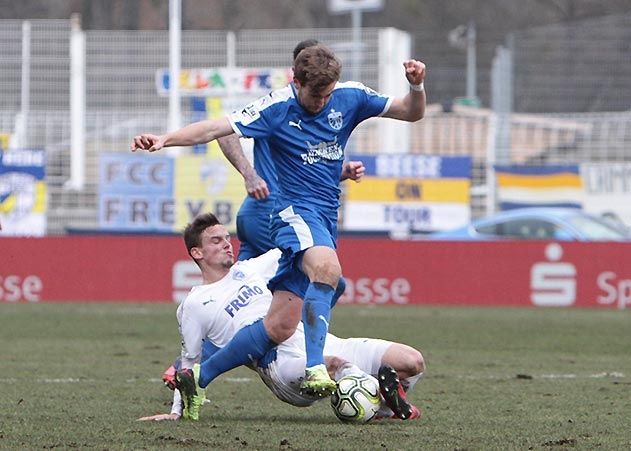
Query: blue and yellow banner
408, 193
172, 190
207, 183
136, 192
539, 186
23, 192
161, 193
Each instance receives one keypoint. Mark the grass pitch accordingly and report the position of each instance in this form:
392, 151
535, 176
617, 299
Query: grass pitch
77, 376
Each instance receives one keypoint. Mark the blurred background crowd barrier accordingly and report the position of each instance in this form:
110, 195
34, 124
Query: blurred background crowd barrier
556, 113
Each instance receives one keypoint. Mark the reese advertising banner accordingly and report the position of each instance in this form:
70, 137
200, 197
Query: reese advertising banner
23, 192
377, 271
409, 193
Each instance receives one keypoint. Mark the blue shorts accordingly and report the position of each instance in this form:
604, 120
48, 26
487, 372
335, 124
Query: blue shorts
296, 229
253, 231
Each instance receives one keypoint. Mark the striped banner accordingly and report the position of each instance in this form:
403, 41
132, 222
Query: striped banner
539, 186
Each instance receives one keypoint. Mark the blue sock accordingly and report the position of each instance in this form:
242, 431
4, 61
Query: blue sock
316, 313
339, 291
208, 350
250, 343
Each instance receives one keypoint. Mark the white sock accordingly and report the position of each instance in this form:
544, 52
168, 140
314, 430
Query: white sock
348, 369
409, 382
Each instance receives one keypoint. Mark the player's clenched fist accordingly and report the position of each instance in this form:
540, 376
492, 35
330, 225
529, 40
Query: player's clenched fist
147, 142
414, 71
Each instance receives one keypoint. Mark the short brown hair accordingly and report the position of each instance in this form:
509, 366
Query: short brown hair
317, 67
303, 45
194, 230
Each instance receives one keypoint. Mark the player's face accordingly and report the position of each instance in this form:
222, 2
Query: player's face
216, 249
312, 100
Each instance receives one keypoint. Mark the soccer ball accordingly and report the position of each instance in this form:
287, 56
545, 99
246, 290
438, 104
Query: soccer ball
356, 399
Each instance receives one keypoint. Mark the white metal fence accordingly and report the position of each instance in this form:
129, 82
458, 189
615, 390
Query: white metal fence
122, 101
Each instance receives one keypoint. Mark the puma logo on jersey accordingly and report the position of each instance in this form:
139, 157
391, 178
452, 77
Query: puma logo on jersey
323, 319
206, 302
297, 125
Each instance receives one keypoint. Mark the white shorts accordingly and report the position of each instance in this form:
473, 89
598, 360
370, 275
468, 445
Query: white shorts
284, 372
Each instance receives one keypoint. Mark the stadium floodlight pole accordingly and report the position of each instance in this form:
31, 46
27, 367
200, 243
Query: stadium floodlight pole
463, 37
25, 97
175, 31
77, 105
471, 62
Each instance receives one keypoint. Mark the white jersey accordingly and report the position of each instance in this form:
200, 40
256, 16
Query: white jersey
216, 311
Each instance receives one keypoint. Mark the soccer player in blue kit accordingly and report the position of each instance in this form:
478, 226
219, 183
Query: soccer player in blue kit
261, 184
307, 125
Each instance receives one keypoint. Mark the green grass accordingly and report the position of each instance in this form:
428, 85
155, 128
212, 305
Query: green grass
76, 376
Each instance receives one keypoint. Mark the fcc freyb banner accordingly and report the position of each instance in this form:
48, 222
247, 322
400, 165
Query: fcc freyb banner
23, 192
153, 193
409, 193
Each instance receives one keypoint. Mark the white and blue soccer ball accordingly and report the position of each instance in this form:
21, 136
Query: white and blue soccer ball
356, 399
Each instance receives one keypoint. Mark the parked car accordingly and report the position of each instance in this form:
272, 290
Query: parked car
540, 223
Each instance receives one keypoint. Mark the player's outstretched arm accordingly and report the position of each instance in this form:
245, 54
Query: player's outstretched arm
176, 410
410, 108
161, 417
231, 147
197, 133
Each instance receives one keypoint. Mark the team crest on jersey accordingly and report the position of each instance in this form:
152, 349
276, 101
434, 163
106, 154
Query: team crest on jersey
335, 119
238, 275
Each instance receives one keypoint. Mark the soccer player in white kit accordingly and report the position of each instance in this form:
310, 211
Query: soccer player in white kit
235, 295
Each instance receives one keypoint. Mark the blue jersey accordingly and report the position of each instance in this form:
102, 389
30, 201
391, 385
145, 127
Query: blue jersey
308, 149
253, 218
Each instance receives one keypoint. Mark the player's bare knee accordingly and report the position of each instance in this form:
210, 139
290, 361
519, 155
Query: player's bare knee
406, 360
417, 362
412, 361
327, 273
321, 265
279, 329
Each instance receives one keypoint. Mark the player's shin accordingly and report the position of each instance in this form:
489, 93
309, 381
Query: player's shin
250, 343
316, 313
